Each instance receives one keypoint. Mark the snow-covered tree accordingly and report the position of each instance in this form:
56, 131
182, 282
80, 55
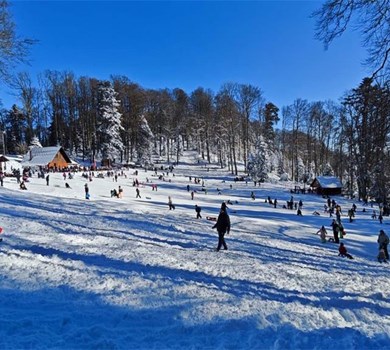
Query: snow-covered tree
301, 170
144, 142
35, 143
109, 124
258, 167
327, 170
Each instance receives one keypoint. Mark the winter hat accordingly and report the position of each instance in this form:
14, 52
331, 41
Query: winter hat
381, 231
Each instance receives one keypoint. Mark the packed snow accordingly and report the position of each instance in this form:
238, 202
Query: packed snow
128, 273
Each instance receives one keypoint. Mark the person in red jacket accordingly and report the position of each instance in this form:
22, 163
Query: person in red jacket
343, 251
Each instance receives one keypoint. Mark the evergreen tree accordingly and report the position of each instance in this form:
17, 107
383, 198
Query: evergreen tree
35, 142
109, 123
15, 125
145, 139
327, 171
258, 167
270, 118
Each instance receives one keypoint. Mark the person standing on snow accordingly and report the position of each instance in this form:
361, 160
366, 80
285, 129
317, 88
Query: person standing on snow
336, 228
383, 241
198, 210
86, 191
222, 226
170, 204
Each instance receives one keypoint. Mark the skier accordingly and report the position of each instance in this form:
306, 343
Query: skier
120, 192
253, 195
222, 226
47, 180
192, 195
198, 210
383, 241
138, 194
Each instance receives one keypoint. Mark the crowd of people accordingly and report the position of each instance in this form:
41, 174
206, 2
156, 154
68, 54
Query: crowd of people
331, 207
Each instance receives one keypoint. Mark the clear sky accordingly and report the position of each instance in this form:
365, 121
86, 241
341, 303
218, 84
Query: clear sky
187, 44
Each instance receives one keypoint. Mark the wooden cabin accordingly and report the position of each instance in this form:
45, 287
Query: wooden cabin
50, 157
327, 185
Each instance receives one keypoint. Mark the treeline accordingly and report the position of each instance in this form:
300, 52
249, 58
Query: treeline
348, 139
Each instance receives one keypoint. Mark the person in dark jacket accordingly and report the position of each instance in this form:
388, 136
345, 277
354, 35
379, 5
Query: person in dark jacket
383, 241
335, 228
222, 226
198, 210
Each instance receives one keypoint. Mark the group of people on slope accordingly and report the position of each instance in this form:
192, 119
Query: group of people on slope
383, 241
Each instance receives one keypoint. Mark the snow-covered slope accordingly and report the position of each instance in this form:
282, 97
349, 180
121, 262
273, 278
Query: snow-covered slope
130, 274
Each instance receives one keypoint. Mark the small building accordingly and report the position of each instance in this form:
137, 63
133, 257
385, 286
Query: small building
10, 163
327, 185
50, 157
3, 161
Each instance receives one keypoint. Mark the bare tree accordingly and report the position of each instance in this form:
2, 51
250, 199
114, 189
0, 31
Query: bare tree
13, 50
249, 99
370, 17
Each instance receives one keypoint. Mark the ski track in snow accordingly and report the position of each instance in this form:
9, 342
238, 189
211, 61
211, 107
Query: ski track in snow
124, 274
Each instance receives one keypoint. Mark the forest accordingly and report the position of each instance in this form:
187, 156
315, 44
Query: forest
120, 121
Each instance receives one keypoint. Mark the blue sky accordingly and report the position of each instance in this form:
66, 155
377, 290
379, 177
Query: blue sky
187, 44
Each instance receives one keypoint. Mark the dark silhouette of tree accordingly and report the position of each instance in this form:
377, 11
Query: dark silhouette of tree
370, 17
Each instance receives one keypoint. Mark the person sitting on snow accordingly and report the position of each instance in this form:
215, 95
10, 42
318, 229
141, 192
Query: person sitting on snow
343, 251
323, 233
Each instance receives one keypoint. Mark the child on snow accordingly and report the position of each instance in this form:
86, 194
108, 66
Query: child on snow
323, 233
343, 251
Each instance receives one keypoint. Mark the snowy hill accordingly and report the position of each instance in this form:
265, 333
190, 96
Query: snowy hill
127, 273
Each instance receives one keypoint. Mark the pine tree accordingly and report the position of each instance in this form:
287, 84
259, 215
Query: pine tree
35, 143
109, 124
145, 139
258, 166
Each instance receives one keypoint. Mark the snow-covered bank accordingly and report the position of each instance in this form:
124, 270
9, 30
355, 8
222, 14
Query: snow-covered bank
128, 273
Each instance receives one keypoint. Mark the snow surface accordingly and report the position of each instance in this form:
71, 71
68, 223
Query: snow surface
110, 273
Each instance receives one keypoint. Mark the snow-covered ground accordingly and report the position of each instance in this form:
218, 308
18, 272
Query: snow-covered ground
127, 273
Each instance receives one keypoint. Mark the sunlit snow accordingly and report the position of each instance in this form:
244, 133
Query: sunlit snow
127, 273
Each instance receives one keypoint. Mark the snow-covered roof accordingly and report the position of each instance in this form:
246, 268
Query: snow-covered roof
329, 182
40, 156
